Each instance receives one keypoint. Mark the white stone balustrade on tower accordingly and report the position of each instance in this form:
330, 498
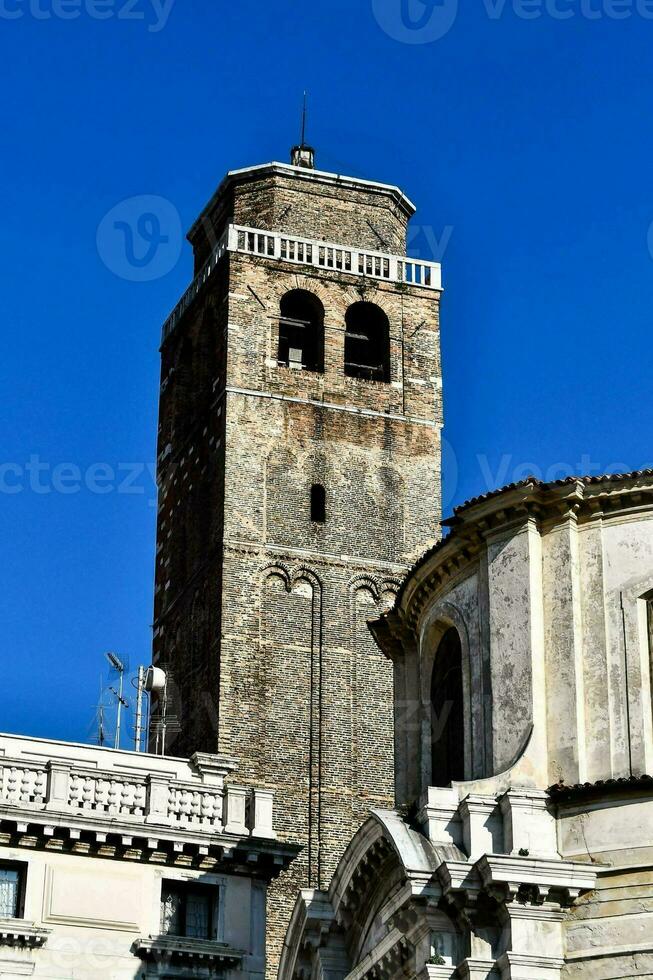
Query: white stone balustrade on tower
306, 251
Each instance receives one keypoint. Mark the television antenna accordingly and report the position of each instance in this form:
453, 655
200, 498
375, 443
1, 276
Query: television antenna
139, 684
120, 667
101, 733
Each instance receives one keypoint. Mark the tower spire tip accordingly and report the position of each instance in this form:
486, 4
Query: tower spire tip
303, 155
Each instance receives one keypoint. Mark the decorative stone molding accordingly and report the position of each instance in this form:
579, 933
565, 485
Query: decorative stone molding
102, 783
520, 966
188, 952
212, 768
506, 509
484, 902
17, 968
433, 971
483, 827
262, 805
439, 816
236, 810
389, 960
17, 932
473, 969
91, 801
547, 880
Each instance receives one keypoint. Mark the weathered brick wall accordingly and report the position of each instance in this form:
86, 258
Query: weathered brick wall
304, 205
260, 613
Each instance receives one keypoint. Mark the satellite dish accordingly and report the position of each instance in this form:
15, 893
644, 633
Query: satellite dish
155, 680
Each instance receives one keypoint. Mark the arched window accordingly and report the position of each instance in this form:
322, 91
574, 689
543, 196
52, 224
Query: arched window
447, 722
367, 343
301, 332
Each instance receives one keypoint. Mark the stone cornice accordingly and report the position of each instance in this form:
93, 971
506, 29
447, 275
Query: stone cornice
188, 951
531, 895
84, 800
387, 960
549, 879
505, 512
17, 932
116, 840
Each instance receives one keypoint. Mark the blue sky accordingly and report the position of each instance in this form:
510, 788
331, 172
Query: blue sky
521, 129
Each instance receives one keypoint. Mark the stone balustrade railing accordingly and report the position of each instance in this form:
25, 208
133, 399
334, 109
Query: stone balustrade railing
97, 784
306, 251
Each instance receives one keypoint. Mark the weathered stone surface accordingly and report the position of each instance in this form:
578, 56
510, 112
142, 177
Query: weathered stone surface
550, 588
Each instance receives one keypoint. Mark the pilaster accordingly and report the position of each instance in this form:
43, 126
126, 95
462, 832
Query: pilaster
482, 826
529, 824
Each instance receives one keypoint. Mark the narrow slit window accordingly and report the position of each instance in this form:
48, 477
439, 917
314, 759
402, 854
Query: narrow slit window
318, 504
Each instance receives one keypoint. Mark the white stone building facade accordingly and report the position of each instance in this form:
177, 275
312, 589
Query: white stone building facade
121, 866
522, 842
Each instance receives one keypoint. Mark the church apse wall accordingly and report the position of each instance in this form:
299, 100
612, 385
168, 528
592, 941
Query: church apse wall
548, 589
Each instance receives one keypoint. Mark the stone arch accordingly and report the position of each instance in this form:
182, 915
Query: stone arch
365, 581
375, 586
447, 712
291, 576
340, 926
445, 616
278, 568
390, 590
382, 590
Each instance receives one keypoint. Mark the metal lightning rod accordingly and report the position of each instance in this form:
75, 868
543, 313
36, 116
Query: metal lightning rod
303, 142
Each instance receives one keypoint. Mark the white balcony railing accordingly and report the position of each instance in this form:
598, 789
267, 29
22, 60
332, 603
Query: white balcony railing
305, 251
100, 786
196, 286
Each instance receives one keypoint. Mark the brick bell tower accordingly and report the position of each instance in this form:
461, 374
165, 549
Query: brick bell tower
299, 475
